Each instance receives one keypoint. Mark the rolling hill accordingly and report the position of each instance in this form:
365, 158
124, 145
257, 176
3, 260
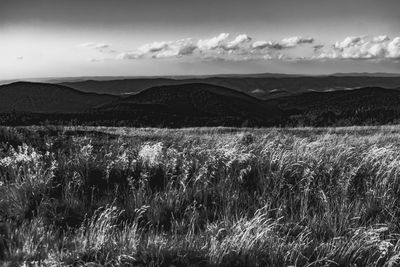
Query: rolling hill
342, 100
369, 105
193, 101
47, 98
197, 104
258, 86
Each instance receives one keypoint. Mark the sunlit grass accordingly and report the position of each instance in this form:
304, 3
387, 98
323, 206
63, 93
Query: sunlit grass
200, 196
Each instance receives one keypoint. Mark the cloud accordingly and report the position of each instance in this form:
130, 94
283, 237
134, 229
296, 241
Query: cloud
243, 48
296, 40
260, 44
20, 57
393, 48
350, 41
380, 39
183, 47
363, 47
221, 47
240, 41
267, 44
212, 43
129, 55
187, 47
99, 47
164, 49
289, 42
100, 59
318, 47
153, 47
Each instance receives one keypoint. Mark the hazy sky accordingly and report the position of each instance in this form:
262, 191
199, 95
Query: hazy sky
43, 38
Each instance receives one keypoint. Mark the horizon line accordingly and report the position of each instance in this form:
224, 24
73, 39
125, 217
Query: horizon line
199, 75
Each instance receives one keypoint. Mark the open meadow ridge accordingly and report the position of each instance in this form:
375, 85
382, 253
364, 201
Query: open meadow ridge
87, 196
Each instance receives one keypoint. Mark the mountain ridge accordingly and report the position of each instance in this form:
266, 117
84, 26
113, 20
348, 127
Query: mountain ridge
47, 98
263, 88
197, 104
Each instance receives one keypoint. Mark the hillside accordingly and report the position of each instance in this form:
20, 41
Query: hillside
191, 101
196, 104
370, 105
259, 86
47, 98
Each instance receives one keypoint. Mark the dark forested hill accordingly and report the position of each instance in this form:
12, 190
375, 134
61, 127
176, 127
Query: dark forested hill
196, 104
191, 102
370, 105
47, 98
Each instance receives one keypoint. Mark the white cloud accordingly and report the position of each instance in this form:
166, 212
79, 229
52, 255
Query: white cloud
153, 47
267, 44
289, 42
129, 55
183, 47
393, 48
376, 50
99, 47
318, 47
295, 40
164, 49
242, 48
380, 39
212, 43
349, 42
260, 44
238, 42
363, 47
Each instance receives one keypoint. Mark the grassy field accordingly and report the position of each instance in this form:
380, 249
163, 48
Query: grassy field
94, 196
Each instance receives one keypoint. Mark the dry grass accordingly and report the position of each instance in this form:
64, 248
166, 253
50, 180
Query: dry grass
200, 196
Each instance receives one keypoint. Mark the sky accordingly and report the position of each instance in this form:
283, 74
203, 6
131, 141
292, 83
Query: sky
67, 38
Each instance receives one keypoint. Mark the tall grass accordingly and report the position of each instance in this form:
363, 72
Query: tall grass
209, 197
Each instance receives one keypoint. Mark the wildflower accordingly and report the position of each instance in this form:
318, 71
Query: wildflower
151, 154
86, 151
24, 155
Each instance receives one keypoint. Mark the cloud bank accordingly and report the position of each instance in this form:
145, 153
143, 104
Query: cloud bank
243, 47
222, 46
363, 47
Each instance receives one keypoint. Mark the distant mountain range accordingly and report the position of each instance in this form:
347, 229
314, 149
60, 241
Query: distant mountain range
183, 77
48, 98
175, 77
260, 87
367, 74
184, 103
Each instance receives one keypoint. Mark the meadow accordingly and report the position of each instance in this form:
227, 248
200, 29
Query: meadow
98, 196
